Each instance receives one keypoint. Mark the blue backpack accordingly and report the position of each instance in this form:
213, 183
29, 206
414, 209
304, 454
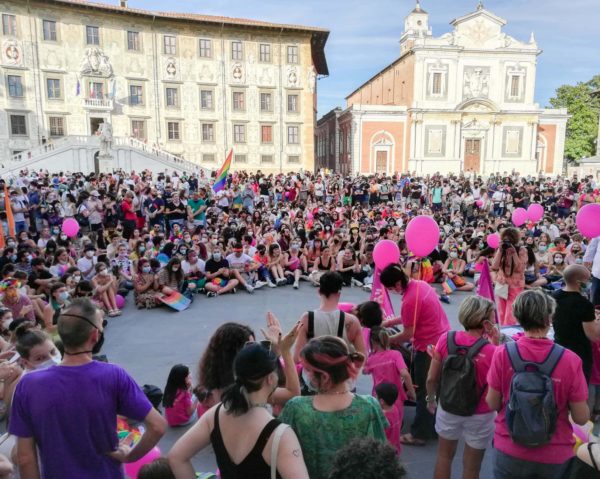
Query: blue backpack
531, 412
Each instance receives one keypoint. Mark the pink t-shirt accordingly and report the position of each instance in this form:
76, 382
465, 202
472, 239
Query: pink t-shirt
392, 432
385, 366
595, 377
482, 363
569, 386
366, 332
421, 308
178, 414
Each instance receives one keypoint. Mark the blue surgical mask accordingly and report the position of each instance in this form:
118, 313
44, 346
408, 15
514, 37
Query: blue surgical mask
146, 269
63, 296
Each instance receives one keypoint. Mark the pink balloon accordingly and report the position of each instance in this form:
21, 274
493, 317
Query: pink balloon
519, 216
479, 203
346, 307
386, 252
535, 212
422, 235
132, 469
120, 300
588, 220
70, 227
493, 240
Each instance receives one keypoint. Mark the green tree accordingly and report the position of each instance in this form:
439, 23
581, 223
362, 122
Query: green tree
582, 127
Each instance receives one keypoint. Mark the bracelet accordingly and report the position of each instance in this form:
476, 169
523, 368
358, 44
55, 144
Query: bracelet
431, 398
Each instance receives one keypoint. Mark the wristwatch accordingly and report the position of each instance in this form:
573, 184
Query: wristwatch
431, 398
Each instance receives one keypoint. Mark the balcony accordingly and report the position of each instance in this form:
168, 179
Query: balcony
98, 104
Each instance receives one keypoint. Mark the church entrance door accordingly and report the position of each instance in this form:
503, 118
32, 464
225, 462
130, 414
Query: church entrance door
472, 155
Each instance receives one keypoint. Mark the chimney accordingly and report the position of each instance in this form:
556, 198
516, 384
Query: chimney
123, 3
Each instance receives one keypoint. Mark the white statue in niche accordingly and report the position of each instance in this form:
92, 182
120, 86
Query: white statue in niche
106, 137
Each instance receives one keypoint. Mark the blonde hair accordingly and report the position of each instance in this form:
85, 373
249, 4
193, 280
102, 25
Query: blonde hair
474, 310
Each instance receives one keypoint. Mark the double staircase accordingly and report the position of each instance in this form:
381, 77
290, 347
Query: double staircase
78, 153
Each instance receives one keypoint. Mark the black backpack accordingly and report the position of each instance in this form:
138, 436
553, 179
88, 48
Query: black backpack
154, 395
531, 412
120, 214
458, 386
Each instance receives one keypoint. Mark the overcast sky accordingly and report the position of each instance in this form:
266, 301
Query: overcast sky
364, 34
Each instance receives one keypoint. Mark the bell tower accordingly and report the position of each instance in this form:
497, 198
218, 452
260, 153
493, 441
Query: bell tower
416, 25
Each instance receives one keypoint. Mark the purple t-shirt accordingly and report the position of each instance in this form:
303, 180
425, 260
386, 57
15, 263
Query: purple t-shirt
71, 412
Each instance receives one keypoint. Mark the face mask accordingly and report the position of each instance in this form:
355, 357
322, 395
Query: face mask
13, 258
558, 260
175, 268
53, 361
481, 245
63, 296
542, 248
98, 346
146, 269
454, 255
89, 254
183, 251
63, 237
11, 244
217, 256
6, 324
142, 249
214, 242
76, 279
104, 272
29, 257
54, 232
308, 382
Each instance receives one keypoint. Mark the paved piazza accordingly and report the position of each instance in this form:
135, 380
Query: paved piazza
149, 343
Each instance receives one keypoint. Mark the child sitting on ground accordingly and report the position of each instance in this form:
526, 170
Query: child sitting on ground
180, 407
387, 395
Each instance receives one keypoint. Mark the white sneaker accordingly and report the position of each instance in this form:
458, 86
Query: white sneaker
368, 288
296, 285
271, 284
249, 288
356, 282
259, 284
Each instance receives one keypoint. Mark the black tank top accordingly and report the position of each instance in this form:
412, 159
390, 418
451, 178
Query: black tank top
324, 267
253, 466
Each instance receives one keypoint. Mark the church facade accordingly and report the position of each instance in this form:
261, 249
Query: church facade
461, 102
187, 85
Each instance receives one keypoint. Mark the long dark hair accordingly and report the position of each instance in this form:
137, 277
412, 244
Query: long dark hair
215, 370
177, 275
175, 382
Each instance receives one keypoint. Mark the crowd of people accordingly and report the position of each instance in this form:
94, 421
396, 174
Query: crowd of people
151, 236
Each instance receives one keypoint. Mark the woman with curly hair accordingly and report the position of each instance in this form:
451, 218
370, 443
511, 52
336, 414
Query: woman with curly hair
215, 369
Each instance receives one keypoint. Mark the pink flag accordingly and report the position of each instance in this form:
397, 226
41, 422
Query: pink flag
485, 288
381, 295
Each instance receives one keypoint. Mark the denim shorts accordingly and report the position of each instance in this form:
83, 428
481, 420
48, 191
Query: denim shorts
508, 467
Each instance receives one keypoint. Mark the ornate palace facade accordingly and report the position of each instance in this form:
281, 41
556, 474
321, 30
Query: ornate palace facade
191, 85
463, 101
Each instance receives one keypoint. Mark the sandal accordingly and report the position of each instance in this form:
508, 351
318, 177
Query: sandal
410, 440
112, 314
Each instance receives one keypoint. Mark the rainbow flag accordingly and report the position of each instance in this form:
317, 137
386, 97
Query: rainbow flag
176, 301
222, 173
448, 286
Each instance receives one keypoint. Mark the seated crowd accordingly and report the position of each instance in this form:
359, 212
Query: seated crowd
155, 235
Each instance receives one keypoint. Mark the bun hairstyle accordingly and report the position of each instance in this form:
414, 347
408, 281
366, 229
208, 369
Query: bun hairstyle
381, 337
393, 274
28, 337
330, 361
250, 367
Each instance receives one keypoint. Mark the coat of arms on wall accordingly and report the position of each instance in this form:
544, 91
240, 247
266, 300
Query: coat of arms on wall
12, 53
292, 77
171, 67
95, 62
237, 73
476, 82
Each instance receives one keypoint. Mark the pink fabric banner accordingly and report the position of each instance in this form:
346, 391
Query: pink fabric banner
485, 288
381, 295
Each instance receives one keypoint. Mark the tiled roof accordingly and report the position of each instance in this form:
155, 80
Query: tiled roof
319, 35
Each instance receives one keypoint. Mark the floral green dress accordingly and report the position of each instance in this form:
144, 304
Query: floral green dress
322, 434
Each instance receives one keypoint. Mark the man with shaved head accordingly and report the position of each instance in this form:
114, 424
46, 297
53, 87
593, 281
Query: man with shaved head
65, 416
574, 322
